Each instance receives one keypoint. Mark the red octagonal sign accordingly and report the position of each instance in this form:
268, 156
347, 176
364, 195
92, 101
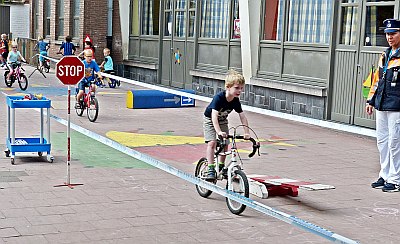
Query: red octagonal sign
70, 70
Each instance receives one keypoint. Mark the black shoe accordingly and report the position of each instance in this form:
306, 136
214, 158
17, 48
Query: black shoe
77, 106
389, 187
379, 183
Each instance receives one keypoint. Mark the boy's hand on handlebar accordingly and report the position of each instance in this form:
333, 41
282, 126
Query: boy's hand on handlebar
222, 134
246, 136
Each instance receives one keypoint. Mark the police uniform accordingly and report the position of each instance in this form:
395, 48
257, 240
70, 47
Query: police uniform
384, 96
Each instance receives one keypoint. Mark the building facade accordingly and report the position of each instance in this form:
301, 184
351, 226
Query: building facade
12, 22
304, 57
56, 19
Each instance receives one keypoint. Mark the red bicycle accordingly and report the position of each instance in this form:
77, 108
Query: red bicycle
18, 75
89, 102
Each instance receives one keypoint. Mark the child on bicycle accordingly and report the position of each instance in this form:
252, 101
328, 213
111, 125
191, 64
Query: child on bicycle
43, 47
107, 64
13, 58
67, 47
90, 68
216, 118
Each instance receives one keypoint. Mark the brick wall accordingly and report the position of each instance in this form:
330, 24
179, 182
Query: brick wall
93, 22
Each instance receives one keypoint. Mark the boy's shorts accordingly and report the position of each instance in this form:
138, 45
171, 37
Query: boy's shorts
42, 53
209, 131
83, 83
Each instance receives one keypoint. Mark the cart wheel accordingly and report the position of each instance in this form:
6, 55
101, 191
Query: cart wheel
7, 152
50, 159
12, 161
40, 154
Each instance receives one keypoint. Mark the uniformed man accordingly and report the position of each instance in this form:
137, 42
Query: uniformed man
384, 96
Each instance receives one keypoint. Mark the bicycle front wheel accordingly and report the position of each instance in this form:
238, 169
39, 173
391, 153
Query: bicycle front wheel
23, 82
200, 172
93, 109
240, 185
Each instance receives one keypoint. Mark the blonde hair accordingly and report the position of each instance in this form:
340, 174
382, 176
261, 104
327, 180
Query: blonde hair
4, 36
40, 38
233, 78
88, 52
107, 50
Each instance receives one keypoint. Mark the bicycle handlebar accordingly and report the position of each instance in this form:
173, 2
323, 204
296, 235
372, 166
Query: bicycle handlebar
256, 145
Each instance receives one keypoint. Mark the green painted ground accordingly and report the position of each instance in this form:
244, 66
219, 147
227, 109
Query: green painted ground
92, 153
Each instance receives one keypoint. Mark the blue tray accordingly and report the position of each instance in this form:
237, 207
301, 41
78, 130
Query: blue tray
28, 145
19, 102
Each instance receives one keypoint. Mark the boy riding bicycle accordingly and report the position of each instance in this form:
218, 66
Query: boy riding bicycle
107, 64
216, 118
90, 67
43, 47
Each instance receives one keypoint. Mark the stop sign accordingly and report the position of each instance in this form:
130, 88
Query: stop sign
70, 70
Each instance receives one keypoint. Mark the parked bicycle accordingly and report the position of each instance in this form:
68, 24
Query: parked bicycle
232, 171
18, 75
88, 102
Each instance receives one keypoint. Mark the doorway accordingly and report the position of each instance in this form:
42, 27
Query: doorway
359, 43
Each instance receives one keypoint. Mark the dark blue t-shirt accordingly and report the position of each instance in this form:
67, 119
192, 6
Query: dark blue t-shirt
68, 48
223, 107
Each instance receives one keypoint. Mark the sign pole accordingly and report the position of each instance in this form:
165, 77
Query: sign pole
65, 71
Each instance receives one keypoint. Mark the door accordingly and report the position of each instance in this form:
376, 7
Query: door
178, 33
360, 41
5, 19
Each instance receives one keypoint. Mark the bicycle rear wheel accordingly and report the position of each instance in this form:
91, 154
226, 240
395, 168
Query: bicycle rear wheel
240, 185
201, 172
93, 109
111, 83
23, 82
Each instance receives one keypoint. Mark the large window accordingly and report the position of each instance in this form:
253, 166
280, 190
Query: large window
310, 21
75, 17
47, 16
134, 17
60, 17
214, 18
236, 20
150, 13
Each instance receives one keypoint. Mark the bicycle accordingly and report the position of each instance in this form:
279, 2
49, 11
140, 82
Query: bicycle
18, 75
232, 171
89, 102
46, 65
112, 83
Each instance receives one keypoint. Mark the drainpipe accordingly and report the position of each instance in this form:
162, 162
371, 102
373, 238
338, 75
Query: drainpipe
109, 23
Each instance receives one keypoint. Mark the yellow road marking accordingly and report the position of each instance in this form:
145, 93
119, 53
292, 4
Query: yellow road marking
148, 140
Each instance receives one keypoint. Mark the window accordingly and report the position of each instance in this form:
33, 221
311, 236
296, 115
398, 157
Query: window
236, 20
60, 16
135, 17
273, 20
192, 17
374, 35
180, 18
168, 18
214, 18
47, 18
349, 24
150, 14
75, 17
310, 21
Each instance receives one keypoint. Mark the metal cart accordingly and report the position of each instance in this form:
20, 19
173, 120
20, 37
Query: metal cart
20, 144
